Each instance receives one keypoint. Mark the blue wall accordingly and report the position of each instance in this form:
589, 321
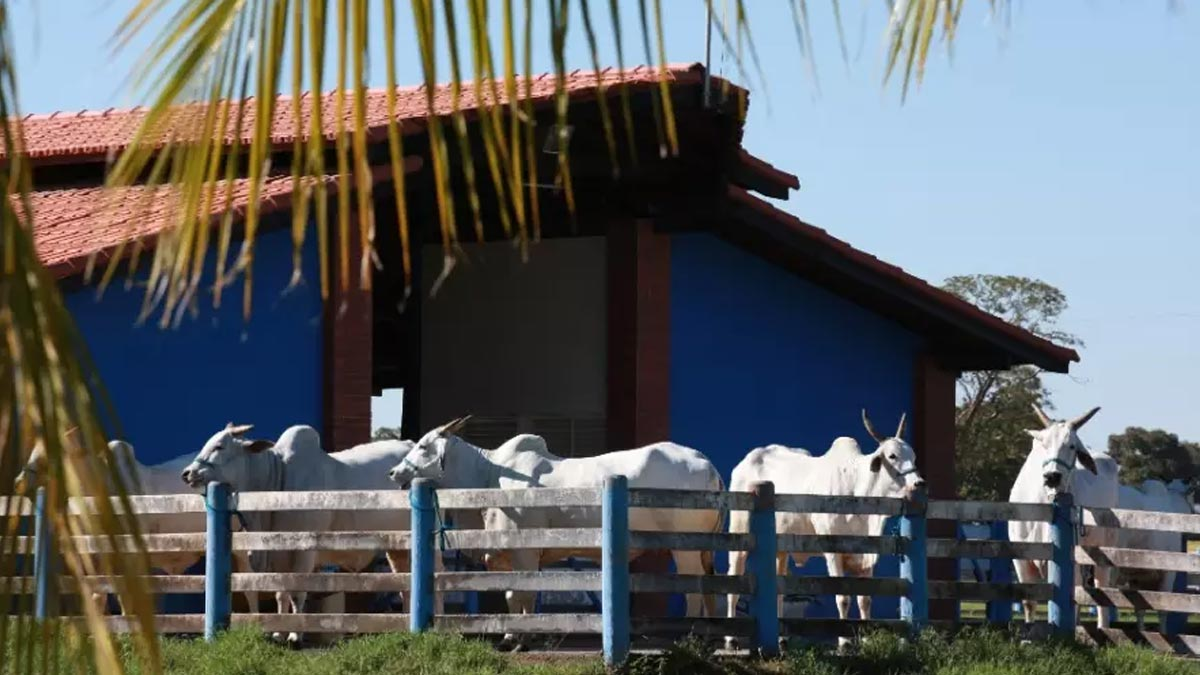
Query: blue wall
761, 356
174, 388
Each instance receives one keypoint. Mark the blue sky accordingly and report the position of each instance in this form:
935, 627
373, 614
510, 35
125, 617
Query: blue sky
1064, 146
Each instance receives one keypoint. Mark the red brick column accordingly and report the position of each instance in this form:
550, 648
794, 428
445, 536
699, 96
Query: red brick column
348, 358
639, 342
934, 441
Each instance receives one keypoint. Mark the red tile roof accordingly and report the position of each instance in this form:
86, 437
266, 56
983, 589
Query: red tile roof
75, 223
768, 170
963, 309
94, 134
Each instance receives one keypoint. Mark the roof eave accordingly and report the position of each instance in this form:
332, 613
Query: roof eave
1009, 344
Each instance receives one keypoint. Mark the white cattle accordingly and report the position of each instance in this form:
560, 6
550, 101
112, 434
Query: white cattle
844, 470
1154, 495
140, 479
1059, 463
525, 462
297, 462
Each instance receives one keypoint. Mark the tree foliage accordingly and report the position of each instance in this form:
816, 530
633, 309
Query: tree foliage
387, 434
1146, 454
995, 407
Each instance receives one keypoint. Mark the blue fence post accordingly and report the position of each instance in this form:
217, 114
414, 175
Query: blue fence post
1176, 622
43, 552
424, 522
1061, 611
614, 570
218, 561
914, 564
764, 602
1000, 571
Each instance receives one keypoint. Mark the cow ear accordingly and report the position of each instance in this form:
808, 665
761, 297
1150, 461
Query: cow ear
1032, 434
1086, 460
876, 463
258, 446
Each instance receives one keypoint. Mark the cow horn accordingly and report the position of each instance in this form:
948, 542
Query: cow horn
871, 427
1042, 416
1083, 419
900, 429
239, 429
453, 426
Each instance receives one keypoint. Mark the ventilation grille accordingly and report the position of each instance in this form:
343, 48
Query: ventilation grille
565, 436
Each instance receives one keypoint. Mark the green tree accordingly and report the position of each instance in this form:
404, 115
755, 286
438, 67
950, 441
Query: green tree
387, 434
1146, 454
996, 407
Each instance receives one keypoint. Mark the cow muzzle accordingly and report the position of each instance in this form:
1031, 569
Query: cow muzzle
1053, 480
400, 476
194, 476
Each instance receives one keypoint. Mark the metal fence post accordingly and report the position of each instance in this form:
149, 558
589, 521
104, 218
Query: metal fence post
764, 606
914, 564
614, 570
424, 518
218, 561
1000, 571
1061, 610
43, 551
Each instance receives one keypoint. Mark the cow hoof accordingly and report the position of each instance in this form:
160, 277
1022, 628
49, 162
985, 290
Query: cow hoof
783, 645
277, 637
293, 640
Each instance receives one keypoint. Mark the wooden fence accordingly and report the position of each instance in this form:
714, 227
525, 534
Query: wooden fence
615, 541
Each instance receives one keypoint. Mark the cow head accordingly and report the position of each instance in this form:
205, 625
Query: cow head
1057, 448
223, 458
895, 457
32, 474
427, 459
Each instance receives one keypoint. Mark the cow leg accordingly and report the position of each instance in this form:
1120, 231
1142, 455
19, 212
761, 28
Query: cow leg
398, 563
1103, 579
690, 562
305, 563
520, 602
837, 568
737, 568
439, 597
1027, 572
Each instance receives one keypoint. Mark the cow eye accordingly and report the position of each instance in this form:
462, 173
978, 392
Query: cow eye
893, 457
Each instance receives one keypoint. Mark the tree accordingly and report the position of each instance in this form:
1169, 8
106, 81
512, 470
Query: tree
387, 434
217, 52
1146, 454
996, 407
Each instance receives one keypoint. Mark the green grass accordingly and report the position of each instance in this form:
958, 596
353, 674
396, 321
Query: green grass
972, 652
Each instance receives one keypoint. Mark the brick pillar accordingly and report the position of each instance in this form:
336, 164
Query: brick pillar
348, 358
934, 441
639, 341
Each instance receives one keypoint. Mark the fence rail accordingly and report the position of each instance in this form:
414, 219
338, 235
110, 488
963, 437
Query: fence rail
613, 542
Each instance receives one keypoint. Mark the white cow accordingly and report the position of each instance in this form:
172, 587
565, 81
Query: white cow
525, 462
1059, 463
140, 479
844, 470
297, 462
1154, 495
